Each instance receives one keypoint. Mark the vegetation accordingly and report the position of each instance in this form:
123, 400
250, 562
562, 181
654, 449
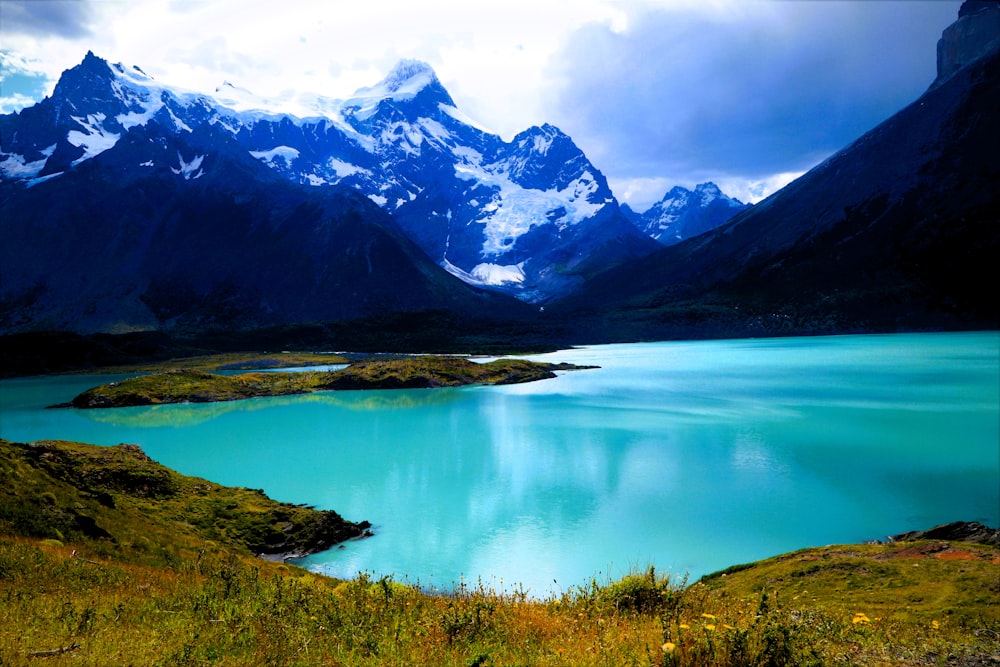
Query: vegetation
195, 386
138, 510
174, 583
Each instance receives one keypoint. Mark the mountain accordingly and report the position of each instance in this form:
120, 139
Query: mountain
187, 233
532, 217
683, 213
898, 231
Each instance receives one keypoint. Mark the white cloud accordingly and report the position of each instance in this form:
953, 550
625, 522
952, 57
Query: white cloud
490, 55
15, 102
656, 92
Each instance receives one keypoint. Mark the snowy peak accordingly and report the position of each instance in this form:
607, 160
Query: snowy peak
410, 74
684, 213
92, 77
411, 82
527, 216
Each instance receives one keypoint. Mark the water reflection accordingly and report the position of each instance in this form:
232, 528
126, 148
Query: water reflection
191, 414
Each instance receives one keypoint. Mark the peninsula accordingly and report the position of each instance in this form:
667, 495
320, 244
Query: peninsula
411, 372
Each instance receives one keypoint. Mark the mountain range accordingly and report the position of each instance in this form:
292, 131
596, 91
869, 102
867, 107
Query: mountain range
683, 213
899, 231
531, 217
129, 206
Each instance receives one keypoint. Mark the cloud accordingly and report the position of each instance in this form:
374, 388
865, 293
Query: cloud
44, 18
745, 90
672, 92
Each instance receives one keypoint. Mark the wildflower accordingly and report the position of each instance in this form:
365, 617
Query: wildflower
710, 626
710, 617
860, 617
727, 626
685, 626
668, 647
935, 625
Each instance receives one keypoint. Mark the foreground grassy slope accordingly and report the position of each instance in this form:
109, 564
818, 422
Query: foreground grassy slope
187, 597
198, 386
133, 508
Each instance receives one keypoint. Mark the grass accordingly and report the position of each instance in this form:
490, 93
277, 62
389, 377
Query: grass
132, 508
198, 386
192, 593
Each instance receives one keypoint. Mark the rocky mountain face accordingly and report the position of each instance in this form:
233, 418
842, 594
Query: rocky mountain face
187, 232
129, 206
898, 231
531, 217
977, 31
683, 213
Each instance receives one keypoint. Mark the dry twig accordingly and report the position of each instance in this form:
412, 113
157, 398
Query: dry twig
55, 651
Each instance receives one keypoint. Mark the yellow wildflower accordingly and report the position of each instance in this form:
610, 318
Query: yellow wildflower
668, 647
711, 617
710, 626
935, 625
685, 626
860, 617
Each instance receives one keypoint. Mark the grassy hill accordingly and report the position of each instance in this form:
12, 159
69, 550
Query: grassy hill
107, 558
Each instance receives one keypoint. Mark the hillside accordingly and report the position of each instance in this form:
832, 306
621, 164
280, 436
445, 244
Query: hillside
134, 585
897, 232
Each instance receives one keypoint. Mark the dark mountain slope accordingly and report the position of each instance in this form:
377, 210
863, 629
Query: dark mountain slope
186, 232
899, 231
493, 213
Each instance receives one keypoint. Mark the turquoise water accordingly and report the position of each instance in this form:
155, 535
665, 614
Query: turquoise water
689, 456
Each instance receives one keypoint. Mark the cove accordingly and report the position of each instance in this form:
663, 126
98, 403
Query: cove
689, 456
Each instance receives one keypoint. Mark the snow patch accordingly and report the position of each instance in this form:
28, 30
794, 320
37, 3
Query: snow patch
14, 166
41, 179
286, 153
345, 169
378, 199
188, 168
499, 274
487, 274
403, 83
436, 131
514, 209
462, 118
94, 140
542, 144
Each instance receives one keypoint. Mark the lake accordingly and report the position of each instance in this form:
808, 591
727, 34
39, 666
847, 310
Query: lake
689, 456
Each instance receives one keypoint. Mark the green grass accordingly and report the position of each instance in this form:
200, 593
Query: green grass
198, 386
133, 508
174, 583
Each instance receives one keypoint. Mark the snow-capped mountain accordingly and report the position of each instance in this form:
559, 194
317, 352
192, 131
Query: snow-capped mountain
532, 216
684, 213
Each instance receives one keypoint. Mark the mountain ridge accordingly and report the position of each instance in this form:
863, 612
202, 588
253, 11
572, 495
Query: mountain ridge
477, 205
681, 213
897, 231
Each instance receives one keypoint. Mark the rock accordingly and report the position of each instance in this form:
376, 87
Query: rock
973, 35
958, 531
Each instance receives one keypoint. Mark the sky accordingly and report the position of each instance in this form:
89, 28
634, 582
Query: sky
746, 93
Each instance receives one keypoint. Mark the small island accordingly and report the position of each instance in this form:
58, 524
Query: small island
412, 372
